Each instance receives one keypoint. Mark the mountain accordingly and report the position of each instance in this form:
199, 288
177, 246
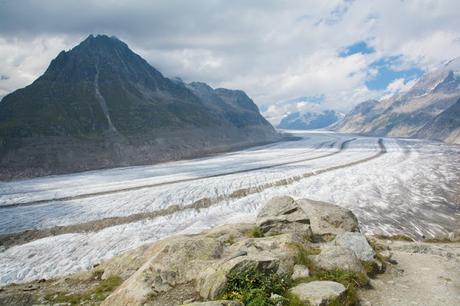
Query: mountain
405, 114
101, 105
309, 120
445, 126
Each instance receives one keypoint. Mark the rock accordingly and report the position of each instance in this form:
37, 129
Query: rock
279, 246
357, 243
211, 282
177, 260
300, 271
282, 215
327, 218
318, 293
278, 300
336, 257
215, 303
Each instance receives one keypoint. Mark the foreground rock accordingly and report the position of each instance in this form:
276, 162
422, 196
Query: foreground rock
327, 219
283, 215
318, 293
357, 243
335, 257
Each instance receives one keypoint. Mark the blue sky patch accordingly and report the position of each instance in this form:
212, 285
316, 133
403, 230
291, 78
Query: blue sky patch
358, 47
387, 72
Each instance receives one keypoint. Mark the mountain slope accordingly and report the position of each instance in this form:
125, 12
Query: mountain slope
309, 120
406, 113
445, 127
101, 105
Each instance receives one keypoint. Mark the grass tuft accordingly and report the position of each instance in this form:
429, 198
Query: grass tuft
303, 253
253, 287
255, 232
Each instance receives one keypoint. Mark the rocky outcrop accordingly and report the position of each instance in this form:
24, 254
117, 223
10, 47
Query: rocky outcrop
319, 293
205, 262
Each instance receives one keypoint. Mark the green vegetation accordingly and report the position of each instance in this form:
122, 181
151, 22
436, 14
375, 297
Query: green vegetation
371, 267
255, 232
302, 255
90, 297
253, 287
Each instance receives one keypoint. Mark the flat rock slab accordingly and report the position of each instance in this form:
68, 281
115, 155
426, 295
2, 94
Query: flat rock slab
336, 257
318, 293
357, 243
300, 271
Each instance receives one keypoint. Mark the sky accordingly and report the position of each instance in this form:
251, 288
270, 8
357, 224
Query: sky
287, 55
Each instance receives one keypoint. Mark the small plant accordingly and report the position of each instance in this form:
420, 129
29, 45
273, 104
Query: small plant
303, 253
255, 232
370, 267
253, 287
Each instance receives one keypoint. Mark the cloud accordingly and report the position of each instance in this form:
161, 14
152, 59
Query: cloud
274, 50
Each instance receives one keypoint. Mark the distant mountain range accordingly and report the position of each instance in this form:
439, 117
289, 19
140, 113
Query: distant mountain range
101, 105
430, 109
310, 120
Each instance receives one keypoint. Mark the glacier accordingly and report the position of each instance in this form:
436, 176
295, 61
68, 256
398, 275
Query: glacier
413, 187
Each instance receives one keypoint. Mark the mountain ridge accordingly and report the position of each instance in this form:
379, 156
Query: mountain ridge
406, 113
101, 105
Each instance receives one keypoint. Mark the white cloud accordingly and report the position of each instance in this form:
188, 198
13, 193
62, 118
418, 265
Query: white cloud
274, 50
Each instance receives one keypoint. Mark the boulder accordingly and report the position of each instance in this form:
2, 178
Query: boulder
178, 260
212, 281
327, 218
282, 215
335, 257
215, 303
300, 271
357, 243
318, 293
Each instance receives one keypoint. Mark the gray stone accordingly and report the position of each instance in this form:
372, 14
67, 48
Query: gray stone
357, 243
300, 271
282, 215
318, 293
336, 257
327, 218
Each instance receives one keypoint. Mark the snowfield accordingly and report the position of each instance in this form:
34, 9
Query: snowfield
409, 186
